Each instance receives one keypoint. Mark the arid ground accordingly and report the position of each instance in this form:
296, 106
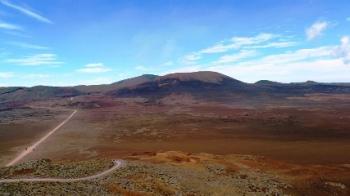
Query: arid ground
291, 133
306, 145
21, 127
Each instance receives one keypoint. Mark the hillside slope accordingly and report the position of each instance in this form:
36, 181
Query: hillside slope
200, 85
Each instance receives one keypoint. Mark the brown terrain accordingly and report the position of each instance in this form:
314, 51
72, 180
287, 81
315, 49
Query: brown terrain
297, 135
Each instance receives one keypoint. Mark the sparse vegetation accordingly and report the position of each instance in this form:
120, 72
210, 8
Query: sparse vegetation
177, 173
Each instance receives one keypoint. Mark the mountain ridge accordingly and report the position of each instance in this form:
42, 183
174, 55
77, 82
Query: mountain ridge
202, 85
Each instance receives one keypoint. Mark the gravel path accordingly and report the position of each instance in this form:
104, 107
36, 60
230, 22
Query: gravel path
117, 165
33, 146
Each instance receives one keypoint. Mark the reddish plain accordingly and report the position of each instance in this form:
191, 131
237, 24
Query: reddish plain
305, 144
297, 134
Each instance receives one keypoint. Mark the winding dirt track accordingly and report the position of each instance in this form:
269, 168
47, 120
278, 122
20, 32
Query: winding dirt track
117, 165
33, 146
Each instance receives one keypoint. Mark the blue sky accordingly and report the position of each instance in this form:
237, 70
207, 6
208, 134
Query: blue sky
71, 42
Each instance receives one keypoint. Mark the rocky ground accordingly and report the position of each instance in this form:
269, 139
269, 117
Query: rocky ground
177, 173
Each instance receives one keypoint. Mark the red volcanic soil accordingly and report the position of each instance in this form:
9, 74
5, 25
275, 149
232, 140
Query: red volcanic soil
304, 145
295, 134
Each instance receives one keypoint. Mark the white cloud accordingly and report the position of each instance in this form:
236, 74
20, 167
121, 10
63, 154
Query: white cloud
94, 68
218, 48
259, 41
278, 44
191, 59
260, 38
6, 75
324, 64
238, 42
277, 64
8, 26
316, 29
235, 57
298, 55
343, 51
327, 63
36, 60
26, 11
348, 19
29, 46
324, 70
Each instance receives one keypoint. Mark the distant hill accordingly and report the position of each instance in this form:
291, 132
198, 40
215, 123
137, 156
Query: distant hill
127, 83
214, 86
21, 95
267, 83
200, 85
301, 88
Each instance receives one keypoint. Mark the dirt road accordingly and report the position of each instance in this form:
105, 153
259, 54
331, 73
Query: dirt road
117, 165
36, 144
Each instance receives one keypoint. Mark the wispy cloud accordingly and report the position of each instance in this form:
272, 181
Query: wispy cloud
328, 63
298, 55
36, 60
235, 57
94, 68
6, 75
26, 11
343, 51
238, 42
218, 48
191, 59
325, 69
9, 26
277, 44
348, 19
325, 63
316, 29
277, 62
29, 46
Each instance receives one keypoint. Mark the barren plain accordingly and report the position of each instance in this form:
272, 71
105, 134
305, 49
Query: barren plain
179, 144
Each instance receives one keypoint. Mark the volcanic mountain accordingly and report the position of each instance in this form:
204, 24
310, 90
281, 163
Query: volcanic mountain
200, 85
